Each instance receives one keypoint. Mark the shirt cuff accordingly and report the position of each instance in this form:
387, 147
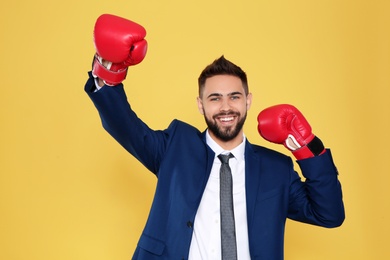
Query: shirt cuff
97, 85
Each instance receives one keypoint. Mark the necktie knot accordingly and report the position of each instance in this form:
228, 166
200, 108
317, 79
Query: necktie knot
224, 158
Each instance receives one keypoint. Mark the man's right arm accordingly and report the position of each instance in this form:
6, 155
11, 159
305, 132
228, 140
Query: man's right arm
123, 124
119, 44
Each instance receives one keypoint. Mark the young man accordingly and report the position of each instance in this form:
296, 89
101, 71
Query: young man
190, 216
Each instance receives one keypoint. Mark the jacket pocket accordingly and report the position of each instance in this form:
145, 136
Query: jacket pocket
151, 245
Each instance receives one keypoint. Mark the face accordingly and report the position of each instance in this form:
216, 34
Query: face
224, 106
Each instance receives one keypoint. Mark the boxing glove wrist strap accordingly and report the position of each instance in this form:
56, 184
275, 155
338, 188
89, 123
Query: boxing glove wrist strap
314, 148
109, 77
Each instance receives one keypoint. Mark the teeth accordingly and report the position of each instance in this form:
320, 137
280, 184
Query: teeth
225, 119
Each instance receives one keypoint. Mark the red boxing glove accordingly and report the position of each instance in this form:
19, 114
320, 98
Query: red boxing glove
119, 43
284, 124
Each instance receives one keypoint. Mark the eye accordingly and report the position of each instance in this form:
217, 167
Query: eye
234, 97
215, 99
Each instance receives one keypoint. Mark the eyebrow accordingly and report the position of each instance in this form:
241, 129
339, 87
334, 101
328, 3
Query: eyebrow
220, 95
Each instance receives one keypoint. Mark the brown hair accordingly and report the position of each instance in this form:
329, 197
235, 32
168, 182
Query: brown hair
222, 66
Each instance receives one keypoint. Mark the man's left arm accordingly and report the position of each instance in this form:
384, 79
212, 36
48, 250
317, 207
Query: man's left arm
318, 200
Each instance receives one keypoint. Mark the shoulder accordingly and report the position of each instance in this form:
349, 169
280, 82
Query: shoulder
183, 127
267, 154
183, 133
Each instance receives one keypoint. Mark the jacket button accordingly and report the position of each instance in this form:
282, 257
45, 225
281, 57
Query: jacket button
189, 224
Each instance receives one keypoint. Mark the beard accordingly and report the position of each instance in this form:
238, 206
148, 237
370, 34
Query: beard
225, 133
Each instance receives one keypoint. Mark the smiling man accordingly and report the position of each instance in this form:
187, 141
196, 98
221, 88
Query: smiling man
218, 196
224, 101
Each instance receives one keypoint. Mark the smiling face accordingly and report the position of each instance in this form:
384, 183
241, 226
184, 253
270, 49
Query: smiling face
224, 104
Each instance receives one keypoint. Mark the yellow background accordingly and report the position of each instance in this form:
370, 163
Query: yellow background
69, 191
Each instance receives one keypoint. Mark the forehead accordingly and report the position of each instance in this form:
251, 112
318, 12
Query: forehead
223, 84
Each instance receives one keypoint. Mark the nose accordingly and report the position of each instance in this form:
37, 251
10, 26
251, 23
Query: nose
225, 105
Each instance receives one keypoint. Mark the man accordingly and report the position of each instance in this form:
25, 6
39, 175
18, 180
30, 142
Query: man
190, 217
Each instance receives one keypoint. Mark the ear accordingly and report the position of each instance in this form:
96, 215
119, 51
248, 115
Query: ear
200, 105
248, 101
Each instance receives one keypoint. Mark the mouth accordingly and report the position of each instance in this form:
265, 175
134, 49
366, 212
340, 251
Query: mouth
226, 119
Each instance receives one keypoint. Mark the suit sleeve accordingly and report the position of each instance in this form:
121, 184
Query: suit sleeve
318, 200
122, 123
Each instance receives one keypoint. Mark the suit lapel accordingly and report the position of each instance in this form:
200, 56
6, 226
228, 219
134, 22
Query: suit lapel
252, 179
210, 160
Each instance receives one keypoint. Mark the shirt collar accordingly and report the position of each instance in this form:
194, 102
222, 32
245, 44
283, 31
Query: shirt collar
238, 151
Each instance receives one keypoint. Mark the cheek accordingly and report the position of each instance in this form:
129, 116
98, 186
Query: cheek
240, 107
208, 113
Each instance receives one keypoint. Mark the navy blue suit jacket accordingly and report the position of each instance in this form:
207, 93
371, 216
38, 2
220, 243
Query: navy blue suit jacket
181, 160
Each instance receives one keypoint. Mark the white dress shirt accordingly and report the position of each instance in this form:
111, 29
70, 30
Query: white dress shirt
206, 237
